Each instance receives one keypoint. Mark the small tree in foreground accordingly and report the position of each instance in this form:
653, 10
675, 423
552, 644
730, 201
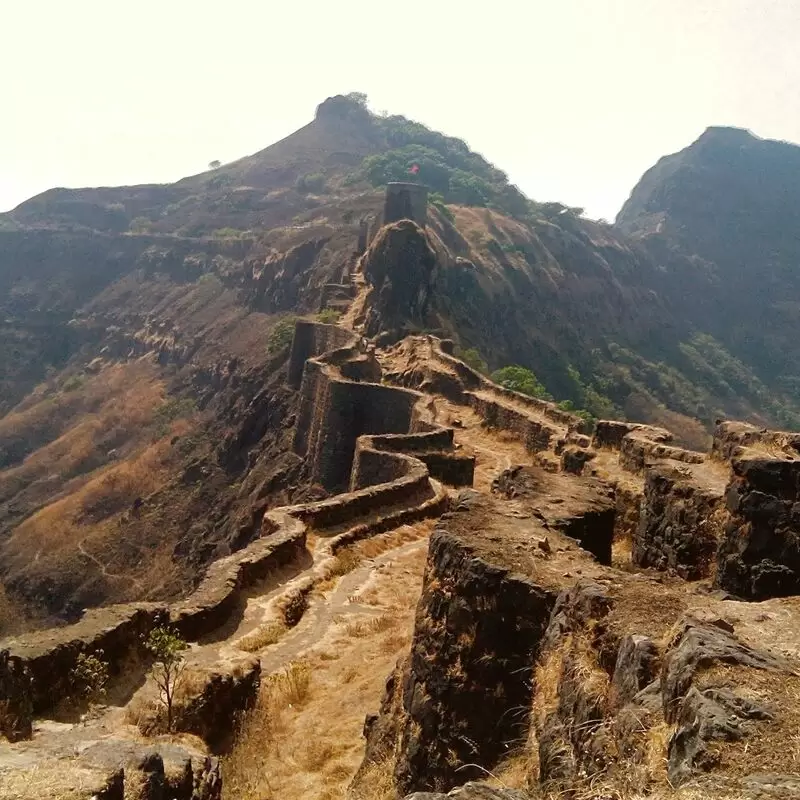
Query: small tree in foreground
89, 677
167, 648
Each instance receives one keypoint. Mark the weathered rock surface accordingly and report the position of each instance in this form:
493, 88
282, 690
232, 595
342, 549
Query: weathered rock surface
680, 523
759, 556
472, 791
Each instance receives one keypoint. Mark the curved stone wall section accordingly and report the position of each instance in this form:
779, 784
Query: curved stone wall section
312, 339
336, 410
35, 668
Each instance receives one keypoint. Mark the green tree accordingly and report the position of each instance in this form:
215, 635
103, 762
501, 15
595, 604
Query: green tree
89, 677
357, 97
472, 358
167, 647
328, 316
215, 164
310, 182
280, 337
522, 380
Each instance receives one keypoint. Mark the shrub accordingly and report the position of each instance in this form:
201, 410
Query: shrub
330, 316
169, 411
140, 225
311, 182
436, 199
72, 383
472, 358
280, 337
520, 379
89, 677
167, 648
228, 233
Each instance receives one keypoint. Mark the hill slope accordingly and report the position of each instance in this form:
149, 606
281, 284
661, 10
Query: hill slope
140, 335
733, 200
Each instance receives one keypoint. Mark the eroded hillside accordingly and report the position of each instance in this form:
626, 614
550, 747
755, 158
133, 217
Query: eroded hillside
235, 406
598, 614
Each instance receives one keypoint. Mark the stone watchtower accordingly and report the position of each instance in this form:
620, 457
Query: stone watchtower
406, 201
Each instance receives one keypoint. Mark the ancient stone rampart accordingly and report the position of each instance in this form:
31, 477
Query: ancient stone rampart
406, 201
637, 449
312, 339
610, 433
534, 433
473, 380
335, 411
389, 487
640, 444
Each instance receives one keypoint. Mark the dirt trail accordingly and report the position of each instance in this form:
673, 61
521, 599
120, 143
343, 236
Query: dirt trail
110, 732
102, 567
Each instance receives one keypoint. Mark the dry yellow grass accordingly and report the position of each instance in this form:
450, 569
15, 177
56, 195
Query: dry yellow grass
82, 496
306, 740
267, 634
58, 525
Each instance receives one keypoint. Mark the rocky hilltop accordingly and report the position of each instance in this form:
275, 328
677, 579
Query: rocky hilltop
731, 200
240, 406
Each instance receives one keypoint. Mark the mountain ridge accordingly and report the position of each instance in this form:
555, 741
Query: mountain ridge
616, 324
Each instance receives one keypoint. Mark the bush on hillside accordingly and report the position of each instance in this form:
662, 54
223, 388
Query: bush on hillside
311, 182
522, 380
472, 358
328, 316
436, 200
280, 337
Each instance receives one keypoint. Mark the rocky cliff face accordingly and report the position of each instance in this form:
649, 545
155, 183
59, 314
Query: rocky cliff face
595, 674
730, 201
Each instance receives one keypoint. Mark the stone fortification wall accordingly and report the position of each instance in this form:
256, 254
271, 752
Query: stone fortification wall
335, 412
537, 423
639, 444
637, 449
733, 439
406, 201
312, 339
50, 655
535, 434
609, 433
35, 668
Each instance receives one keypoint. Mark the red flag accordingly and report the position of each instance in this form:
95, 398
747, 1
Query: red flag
414, 169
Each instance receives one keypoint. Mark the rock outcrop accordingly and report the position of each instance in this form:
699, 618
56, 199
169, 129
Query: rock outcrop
759, 556
591, 673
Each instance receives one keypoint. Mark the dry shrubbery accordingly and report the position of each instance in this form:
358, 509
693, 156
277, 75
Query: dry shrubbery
261, 741
96, 457
304, 738
12, 616
87, 512
262, 637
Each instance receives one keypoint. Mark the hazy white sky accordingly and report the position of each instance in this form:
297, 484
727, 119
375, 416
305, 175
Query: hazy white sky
574, 99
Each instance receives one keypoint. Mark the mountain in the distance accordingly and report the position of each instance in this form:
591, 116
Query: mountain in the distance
731, 201
144, 419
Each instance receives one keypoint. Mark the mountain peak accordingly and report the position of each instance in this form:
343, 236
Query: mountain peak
723, 133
